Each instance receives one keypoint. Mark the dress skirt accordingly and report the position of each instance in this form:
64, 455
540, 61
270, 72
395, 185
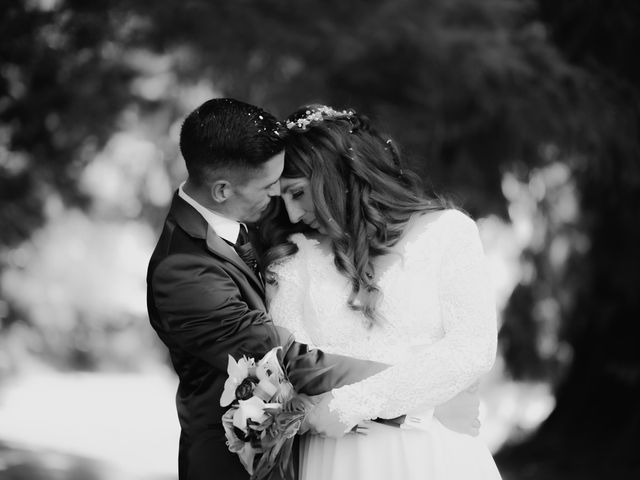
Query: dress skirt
389, 452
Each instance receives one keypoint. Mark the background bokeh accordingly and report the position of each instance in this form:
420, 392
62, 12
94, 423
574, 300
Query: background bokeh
525, 111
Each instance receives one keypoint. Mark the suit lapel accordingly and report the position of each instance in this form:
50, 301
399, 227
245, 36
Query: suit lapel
196, 226
219, 247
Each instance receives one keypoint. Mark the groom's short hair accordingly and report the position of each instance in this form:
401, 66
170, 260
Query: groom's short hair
224, 133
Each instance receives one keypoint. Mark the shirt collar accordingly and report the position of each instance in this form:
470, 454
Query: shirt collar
225, 227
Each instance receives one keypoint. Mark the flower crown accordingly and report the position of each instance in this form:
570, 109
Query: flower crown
317, 115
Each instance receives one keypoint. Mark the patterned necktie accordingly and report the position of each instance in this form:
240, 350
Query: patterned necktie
245, 250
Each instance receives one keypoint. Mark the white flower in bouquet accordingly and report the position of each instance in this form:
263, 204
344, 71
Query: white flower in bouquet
238, 372
252, 409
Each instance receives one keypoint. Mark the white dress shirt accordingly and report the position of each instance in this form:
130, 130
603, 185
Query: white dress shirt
225, 227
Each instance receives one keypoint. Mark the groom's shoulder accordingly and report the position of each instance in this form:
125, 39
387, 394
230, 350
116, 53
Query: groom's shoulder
174, 238
174, 241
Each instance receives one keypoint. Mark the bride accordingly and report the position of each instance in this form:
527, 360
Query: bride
367, 266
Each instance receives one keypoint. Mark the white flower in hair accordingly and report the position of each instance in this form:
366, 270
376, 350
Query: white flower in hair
317, 115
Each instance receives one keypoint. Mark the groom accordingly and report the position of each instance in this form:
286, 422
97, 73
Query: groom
205, 296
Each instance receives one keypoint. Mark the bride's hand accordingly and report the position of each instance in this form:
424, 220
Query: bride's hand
320, 421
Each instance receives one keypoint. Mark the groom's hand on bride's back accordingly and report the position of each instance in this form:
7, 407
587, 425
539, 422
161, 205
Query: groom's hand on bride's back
461, 413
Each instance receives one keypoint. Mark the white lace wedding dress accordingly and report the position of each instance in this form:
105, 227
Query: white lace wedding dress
438, 333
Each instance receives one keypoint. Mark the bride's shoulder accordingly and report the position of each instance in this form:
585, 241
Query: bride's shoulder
303, 242
305, 247
296, 265
442, 223
443, 219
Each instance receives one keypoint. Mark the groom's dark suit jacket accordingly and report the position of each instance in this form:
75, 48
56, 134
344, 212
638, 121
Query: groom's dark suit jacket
205, 303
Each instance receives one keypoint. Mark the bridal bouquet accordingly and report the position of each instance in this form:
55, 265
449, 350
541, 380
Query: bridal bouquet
264, 417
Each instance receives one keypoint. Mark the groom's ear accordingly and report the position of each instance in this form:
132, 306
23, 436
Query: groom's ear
221, 190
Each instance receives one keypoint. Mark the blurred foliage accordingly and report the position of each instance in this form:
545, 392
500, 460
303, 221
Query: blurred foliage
466, 86
525, 109
62, 85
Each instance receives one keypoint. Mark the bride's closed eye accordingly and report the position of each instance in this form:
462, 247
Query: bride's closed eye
297, 194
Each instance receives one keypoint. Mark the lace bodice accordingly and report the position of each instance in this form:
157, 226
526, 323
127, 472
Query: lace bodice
438, 330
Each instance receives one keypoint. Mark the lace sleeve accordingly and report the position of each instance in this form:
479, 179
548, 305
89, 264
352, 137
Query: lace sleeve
435, 373
286, 296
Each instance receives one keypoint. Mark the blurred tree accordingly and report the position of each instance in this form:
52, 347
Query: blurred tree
62, 86
596, 421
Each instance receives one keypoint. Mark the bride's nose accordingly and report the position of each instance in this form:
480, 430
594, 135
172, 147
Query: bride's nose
294, 211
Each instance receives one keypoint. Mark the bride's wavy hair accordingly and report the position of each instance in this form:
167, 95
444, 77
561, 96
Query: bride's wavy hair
363, 196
